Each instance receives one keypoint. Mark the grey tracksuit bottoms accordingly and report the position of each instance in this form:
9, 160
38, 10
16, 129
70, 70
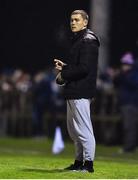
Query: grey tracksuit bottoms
80, 128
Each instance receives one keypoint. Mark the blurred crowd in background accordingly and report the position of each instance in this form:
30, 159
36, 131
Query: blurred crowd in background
31, 105
27, 100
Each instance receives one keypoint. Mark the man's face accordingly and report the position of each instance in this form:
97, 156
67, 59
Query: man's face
77, 23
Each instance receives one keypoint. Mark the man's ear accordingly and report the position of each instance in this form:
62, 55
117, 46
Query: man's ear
85, 22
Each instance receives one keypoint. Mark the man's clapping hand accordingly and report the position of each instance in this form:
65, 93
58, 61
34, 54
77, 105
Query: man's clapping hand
59, 64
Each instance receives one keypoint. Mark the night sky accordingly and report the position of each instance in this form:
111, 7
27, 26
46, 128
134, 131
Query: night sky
33, 32
124, 29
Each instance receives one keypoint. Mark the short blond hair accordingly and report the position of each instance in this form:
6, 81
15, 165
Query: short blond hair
82, 13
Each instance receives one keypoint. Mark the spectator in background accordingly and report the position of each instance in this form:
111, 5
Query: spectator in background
23, 84
46, 99
105, 92
126, 83
41, 92
7, 90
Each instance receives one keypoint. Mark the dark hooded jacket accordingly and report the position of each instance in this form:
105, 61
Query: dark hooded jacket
80, 73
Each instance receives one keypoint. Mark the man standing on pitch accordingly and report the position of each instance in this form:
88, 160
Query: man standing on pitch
78, 74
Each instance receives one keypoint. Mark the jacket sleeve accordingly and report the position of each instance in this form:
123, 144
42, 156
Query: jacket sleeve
87, 60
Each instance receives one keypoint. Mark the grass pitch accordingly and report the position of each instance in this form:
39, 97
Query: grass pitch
32, 159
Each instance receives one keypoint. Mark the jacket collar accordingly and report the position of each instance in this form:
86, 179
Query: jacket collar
79, 34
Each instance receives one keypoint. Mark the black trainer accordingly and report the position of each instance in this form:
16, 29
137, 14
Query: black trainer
88, 167
77, 166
